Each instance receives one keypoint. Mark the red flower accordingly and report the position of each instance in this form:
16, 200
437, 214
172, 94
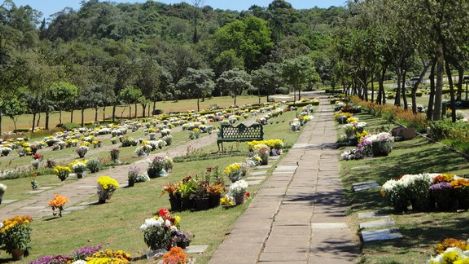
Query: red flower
37, 156
247, 194
164, 213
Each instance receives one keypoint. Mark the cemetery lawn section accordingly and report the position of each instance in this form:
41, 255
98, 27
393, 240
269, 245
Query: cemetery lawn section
116, 224
421, 231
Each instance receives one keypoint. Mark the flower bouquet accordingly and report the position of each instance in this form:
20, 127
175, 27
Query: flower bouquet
443, 195
381, 144
238, 191
115, 155
159, 231
3, 188
109, 256
106, 187
263, 151
93, 165
174, 195
15, 234
176, 255
215, 191
451, 251
159, 167
81, 151
78, 167
461, 188
58, 204
396, 195
295, 125
62, 172
235, 171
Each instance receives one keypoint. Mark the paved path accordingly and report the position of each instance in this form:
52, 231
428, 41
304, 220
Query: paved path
298, 215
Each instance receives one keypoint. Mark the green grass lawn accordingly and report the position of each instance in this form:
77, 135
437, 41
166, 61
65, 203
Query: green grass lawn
116, 223
421, 230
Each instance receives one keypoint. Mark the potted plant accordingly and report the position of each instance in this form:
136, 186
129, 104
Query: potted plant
381, 144
444, 196
215, 191
58, 204
174, 195
79, 167
238, 190
461, 188
93, 165
187, 189
106, 187
157, 233
132, 176
159, 167
15, 235
234, 171
263, 151
176, 255
115, 155
3, 188
396, 195
81, 151
201, 196
62, 172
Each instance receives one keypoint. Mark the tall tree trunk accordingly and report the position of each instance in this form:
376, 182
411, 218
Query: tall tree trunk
82, 117
451, 92
144, 107
404, 97
114, 113
372, 88
299, 94
149, 114
1, 123
431, 97
416, 85
71, 116
461, 79
294, 95
104, 113
47, 121
198, 104
381, 94
34, 122
397, 99
439, 83
234, 100
38, 119
154, 106
259, 94
365, 85
135, 111
60, 116
130, 111
96, 114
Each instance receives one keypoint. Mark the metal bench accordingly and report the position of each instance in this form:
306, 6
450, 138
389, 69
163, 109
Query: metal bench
239, 133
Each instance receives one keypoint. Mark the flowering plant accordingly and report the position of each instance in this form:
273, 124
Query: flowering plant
106, 187
157, 232
81, 151
160, 166
452, 255
62, 172
176, 255
15, 233
58, 203
234, 171
109, 257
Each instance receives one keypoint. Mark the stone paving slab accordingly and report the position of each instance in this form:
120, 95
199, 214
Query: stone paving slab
257, 173
196, 249
263, 167
364, 186
256, 178
384, 222
8, 201
380, 235
254, 182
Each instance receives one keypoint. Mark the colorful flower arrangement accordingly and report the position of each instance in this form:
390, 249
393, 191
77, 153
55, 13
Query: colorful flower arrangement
62, 172
276, 144
342, 117
235, 171
295, 125
78, 167
451, 251
82, 150
106, 187
176, 255
161, 232
160, 166
236, 194
427, 192
58, 204
370, 145
109, 257
15, 235
85, 255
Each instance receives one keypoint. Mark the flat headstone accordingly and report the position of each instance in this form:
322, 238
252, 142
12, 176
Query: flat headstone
196, 249
256, 178
35, 191
383, 222
379, 235
274, 157
76, 208
256, 182
8, 201
44, 188
33, 207
87, 187
328, 225
365, 215
286, 168
257, 173
302, 145
263, 167
361, 167
363, 186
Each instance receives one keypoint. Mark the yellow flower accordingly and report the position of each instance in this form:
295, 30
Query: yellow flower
107, 182
177, 220
232, 168
227, 201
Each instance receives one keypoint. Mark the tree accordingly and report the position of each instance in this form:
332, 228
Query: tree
249, 37
298, 73
234, 82
267, 79
62, 94
13, 106
197, 83
131, 95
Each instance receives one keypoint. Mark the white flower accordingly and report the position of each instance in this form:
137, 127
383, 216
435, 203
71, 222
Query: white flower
150, 222
238, 187
167, 223
79, 262
3, 187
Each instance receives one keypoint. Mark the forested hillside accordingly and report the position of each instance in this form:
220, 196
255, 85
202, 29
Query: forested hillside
108, 54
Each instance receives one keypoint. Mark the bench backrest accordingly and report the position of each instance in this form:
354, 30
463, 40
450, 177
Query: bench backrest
241, 132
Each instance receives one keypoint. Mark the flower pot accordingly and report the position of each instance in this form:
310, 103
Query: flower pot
80, 175
131, 182
175, 201
239, 199
17, 254
215, 200
202, 203
381, 148
187, 204
422, 205
445, 201
104, 195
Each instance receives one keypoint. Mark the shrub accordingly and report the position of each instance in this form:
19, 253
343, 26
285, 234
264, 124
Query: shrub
93, 165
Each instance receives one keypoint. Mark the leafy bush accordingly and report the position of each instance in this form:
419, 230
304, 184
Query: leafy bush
93, 165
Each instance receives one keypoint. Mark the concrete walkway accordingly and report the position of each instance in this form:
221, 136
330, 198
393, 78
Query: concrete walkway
298, 215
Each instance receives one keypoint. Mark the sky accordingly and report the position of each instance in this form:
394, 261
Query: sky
49, 7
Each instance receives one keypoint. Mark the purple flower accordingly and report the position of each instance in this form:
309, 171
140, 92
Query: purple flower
441, 186
52, 260
84, 252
